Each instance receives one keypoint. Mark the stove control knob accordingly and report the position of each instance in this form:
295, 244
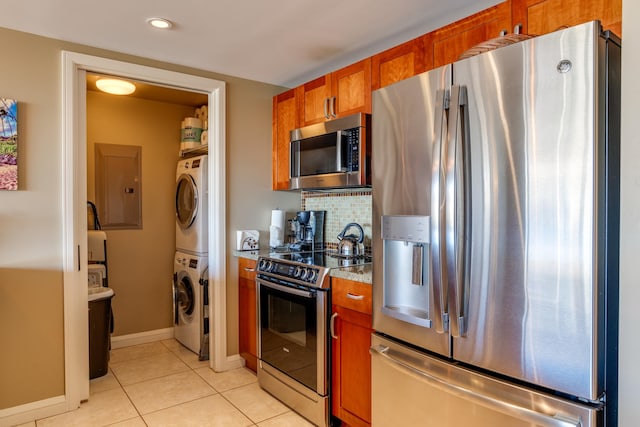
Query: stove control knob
305, 272
297, 273
313, 274
265, 265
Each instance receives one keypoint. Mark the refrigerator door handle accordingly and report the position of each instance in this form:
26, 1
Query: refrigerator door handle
557, 420
455, 209
440, 318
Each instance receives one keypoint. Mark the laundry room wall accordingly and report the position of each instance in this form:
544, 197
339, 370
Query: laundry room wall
140, 261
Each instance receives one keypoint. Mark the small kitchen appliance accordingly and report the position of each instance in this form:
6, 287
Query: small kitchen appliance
309, 231
350, 245
332, 154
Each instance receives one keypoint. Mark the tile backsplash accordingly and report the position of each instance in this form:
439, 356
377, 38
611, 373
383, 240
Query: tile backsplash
341, 209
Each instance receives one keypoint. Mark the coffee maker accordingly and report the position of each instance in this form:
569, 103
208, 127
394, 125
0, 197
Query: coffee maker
309, 231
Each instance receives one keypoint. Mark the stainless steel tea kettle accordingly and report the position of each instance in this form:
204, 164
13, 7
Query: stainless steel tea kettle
351, 245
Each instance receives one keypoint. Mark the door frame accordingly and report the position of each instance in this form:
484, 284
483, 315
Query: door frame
74, 185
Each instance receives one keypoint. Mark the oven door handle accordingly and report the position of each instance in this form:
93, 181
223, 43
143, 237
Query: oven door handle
287, 289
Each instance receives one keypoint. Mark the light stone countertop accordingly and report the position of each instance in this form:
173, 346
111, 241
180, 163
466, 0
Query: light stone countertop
358, 273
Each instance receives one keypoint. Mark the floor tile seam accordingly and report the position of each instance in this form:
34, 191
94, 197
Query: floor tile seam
167, 375
148, 356
247, 415
128, 419
155, 353
184, 403
131, 401
161, 376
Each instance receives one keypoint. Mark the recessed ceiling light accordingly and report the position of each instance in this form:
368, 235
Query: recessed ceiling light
160, 23
116, 86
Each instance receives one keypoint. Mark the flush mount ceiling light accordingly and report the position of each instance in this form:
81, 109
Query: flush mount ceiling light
161, 23
116, 86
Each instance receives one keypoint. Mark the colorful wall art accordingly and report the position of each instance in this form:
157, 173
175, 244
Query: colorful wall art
8, 144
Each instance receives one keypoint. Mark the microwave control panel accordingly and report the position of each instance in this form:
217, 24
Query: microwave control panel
353, 144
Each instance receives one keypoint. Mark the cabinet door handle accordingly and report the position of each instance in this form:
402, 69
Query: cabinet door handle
355, 297
326, 108
332, 108
332, 326
250, 270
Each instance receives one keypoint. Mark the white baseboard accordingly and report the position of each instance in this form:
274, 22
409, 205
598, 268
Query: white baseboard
33, 411
141, 338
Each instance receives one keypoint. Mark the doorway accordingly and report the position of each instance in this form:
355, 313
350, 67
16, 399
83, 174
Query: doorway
75, 67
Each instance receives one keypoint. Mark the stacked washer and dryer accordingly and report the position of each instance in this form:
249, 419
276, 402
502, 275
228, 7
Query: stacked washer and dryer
190, 277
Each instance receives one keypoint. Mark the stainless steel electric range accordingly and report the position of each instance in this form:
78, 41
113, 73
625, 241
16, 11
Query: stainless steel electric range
294, 303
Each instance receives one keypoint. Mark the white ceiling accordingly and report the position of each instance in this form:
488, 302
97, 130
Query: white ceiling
283, 42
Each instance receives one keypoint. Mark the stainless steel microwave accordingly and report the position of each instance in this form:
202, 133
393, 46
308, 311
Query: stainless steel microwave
333, 154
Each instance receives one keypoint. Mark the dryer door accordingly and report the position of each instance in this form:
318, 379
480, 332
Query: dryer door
185, 297
186, 201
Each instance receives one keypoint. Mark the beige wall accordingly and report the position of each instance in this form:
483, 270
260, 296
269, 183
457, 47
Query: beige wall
31, 221
143, 294
31, 354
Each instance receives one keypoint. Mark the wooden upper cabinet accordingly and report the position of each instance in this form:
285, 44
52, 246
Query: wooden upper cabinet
399, 63
313, 98
448, 43
285, 119
351, 87
343, 92
544, 16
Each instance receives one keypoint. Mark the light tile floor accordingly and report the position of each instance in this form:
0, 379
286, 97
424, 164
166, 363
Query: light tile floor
164, 384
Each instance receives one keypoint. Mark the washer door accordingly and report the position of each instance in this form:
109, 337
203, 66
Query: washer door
184, 294
186, 201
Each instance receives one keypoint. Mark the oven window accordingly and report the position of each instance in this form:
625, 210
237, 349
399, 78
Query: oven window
288, 336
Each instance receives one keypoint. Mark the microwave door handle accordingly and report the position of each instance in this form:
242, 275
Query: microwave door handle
339, 151
455, 210
438, 215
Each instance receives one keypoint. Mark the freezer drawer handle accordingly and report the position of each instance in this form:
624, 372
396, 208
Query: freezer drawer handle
556, 420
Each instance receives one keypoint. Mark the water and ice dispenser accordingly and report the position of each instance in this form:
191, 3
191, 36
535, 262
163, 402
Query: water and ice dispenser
406, 266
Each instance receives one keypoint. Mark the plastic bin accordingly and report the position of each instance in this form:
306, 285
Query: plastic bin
100, 318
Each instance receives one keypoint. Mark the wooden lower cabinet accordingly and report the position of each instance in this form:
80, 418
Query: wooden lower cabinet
351, 363
247, 321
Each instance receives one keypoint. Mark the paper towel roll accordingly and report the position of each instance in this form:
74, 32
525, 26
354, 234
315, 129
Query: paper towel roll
276, 229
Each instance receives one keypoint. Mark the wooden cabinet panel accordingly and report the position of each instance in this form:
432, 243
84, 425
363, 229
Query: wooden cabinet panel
398, 63
351, 374
544, 16
343, 92
450, 42
285, 119
247, 316
352, 295
313, 97
351, 87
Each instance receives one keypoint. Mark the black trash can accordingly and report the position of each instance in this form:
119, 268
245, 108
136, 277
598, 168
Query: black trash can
100, 321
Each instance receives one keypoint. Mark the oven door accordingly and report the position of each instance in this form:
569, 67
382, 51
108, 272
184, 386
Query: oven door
292, 333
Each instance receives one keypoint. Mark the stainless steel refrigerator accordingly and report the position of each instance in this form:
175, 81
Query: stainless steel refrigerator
495, 219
